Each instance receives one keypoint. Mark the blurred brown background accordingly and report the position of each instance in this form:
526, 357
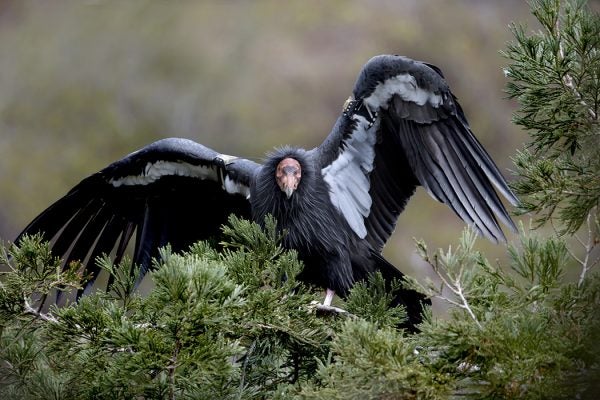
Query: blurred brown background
84, 83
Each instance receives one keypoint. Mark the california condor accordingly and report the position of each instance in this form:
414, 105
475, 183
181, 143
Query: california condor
339, 202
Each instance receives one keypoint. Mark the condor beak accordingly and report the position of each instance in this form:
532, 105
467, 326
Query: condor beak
288, 176
289, 184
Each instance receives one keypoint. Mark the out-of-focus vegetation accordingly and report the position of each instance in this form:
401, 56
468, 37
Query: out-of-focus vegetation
84, 83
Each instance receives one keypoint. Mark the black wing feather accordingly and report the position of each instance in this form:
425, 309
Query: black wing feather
392, 184
89, 234
74, 227
172, 191
105, 244
478, 175
422, 138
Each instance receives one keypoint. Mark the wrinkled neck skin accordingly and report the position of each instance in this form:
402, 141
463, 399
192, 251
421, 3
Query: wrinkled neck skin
308, 217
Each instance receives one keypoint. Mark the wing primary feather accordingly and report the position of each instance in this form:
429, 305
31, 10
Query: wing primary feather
429, 172
483, 182
74, 227
74, 242
473, 186
86, 239
55, 217
487, 164
124, 241
104, 245
412, 144
452, 191
467, 208
148, 233
430, 168
471, 192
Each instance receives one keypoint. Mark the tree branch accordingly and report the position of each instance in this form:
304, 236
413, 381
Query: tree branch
456, 288
171, 368
568, 80
38, 314
589, 247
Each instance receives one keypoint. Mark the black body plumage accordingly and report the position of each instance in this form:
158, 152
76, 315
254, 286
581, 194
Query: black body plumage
311, 223
334, 256
401, 128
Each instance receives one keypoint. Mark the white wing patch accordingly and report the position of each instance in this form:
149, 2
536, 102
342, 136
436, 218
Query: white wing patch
158, 169
230, 185
347, 176
404, 85
233, 187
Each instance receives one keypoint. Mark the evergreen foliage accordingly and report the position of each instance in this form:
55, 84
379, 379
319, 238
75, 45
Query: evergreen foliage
233, 322
237, 324
555, 76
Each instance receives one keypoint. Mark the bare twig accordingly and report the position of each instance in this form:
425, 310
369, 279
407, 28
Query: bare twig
590, 245
32, 311
456, 288
465, 304
245, 368
171, 368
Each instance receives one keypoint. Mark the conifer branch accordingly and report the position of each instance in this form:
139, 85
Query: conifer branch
553, 75
244, 370
465, 304
172, 367
28, 309
589, 246
451, 273
567, 79
455, 287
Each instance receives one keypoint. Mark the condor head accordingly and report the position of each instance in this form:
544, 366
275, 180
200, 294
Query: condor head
288, 175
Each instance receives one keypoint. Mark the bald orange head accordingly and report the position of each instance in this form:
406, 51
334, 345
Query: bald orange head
288, 175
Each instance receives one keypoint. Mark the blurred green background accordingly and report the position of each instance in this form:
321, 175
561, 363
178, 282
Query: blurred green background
84, 83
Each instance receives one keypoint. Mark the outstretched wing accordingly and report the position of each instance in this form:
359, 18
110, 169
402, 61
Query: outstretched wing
173, 191
403, 128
